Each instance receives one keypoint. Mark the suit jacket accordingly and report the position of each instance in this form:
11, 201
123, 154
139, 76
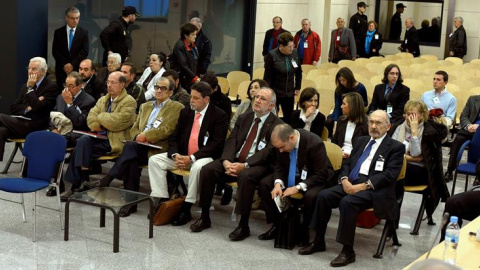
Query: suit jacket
214, 123
78, 51
376, 44
312, 157
361, 129
458, 42
78, 112
239, 136
392, 151
398, 98
168, 115
411, 42
346, 39
266, 40
40, 113
317, 124
95, 87
470, 111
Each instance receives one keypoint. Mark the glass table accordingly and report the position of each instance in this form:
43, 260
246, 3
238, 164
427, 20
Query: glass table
113, 199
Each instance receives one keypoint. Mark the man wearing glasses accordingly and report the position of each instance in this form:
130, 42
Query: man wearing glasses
31, 111
70, 46
112, 117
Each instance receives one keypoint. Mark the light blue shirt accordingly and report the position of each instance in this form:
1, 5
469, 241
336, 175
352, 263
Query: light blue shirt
444, 100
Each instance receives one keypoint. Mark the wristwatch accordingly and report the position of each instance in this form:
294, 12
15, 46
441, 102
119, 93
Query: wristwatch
246, 165
369, 185
299, 187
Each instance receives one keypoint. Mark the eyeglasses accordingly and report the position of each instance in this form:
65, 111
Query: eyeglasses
74, 18
162, 88
33, 69
393, 73
111, 82
70, 86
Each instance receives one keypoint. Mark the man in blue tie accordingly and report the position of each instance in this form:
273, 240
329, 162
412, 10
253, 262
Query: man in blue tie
367, 179
302, 167
70, 46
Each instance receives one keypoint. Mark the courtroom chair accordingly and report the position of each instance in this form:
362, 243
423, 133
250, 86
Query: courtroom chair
307, 68
385, 63
475, 61
333, 71
328, 66
234, 79
374, 67
423, 190
444, 63
404, 55
316, 72
327, 100
361, 62
429, 57
242, 90
258, 73
346, 63
224, 85
455, 60
18, 145
324, 134
418, 60
473, 156
377, 59
392, 57
376, 80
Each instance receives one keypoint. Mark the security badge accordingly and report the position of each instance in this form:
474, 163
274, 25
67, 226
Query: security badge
379, 164
294, 64
338, 38
303, 176
377, 36
389, 109
305, 45
124, 33
157, 122
436, 100
262, 144
205, 138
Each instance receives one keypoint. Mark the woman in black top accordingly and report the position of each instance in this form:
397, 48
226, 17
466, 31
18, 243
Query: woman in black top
308, 117
185, 55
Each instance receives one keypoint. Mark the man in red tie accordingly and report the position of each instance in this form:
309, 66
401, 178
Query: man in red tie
197, 140
246, 158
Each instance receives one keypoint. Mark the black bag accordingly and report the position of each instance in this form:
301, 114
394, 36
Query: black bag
289, 229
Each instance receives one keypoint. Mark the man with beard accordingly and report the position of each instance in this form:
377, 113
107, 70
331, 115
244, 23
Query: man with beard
91, 84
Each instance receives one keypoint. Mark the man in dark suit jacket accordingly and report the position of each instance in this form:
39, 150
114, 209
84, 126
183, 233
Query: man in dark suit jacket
411, 42
31, 110
270, 41
390, 96
342, 43
367, 180
246, 159
70, 46
91, 83
197, 140
312, 173
469, 121
458, 39
218, 98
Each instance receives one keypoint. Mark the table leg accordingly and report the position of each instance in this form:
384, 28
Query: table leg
150, 220
116, 232
102, 217
67, 217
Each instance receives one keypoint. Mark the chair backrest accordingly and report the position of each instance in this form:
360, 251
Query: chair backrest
44, 151
234, 79
243, 89
335, 154
258, 73
401, 175
224, 85
307, 68
324, 134
474, 150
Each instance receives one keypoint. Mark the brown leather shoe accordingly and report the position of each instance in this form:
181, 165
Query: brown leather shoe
343, 259
200, 225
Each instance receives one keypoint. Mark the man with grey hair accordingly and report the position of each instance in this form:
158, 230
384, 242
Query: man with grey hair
411, 42
70, 46
458, 39
367, 179
204, 47
114, 61
31, 111
246, 159
308, 44
342, 43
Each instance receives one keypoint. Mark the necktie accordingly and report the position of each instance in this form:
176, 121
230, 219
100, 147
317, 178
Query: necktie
70, 39
293, 168
389, 91
354, 173
109, 108
193, 141
250, 139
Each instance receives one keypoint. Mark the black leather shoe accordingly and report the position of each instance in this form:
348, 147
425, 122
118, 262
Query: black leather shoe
66, 195
343, 259
182, 218
311, 248
200, 225
269, 235
126, 211
239, 233
227, 196
448, 177
52, 192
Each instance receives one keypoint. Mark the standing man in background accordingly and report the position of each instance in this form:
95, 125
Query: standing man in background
411, 42
271, 36
70, 46
308, 44
458, 39
204, 47
359, 24
396, 23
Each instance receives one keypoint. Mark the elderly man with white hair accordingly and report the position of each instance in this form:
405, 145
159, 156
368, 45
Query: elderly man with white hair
204, 47
114, 61
31, 111
458, 39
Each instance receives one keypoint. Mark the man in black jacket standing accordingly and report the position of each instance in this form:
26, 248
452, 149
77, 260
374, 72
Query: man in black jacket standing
116, 37
204, 47
359, 24
411, 42
458, 39
70, 46
271, 36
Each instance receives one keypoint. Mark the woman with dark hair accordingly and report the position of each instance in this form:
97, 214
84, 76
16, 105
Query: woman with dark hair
423, 142
246, 106
346, 83
391, 95
352, 124
308, 117
151, 74
373, 41
185, 55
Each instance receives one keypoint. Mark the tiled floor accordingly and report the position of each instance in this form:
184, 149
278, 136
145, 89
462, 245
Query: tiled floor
90, 247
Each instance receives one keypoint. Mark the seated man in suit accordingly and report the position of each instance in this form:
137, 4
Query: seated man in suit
197, 140
391, 95
154, 125
31, 111
179, 94
129, 70
302, 166
112, 116
247, 158
91, 83
367, 179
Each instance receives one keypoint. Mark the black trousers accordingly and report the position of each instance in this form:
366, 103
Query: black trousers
462, 136
11, 127
463, 205
350, 206
247, 180
126, 166
287, 107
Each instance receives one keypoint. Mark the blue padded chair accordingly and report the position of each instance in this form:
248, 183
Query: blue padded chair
472, 158
43, 158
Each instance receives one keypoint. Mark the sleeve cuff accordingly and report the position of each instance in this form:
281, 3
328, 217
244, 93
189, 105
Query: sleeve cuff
281, 183
304, 187
192, 157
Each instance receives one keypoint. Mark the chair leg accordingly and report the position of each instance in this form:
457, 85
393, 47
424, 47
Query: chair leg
12, 156
34, 216
22, 202
59, 206
418, 221
383, 239
234, 216
466, 182
454, 182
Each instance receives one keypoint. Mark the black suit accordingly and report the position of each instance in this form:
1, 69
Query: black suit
39, 113
376, 43
259, 163
78, 51
95, 87
317, 124
411, 42
312, 157
398, 98
382, 198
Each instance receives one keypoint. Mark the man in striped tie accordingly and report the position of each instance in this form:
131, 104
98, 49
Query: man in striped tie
367, 179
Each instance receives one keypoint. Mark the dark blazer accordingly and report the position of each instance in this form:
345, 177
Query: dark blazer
239, 136
95, 87
204, 46
470, 111
384, 201
311, 156
78, 51
183, 62
317, 124
40, 113
376, 44
266, 40
361, 129
411, 42
458, 42
221, 101
116, 38
78, 112
398, 98
282, 80
215, 123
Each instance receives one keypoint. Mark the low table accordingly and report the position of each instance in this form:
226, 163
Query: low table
113, 199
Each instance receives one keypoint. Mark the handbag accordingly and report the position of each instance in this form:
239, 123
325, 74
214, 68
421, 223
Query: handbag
288, 235
168, 210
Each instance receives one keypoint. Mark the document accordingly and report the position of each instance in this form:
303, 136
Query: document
91, 134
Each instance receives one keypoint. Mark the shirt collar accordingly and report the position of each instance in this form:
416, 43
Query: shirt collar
40, 81
79, 92
298, 139
68, 29
202, 112
378, 141
263, 118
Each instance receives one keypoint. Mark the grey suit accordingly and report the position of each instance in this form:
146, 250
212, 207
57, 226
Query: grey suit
346, 40
78, 112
